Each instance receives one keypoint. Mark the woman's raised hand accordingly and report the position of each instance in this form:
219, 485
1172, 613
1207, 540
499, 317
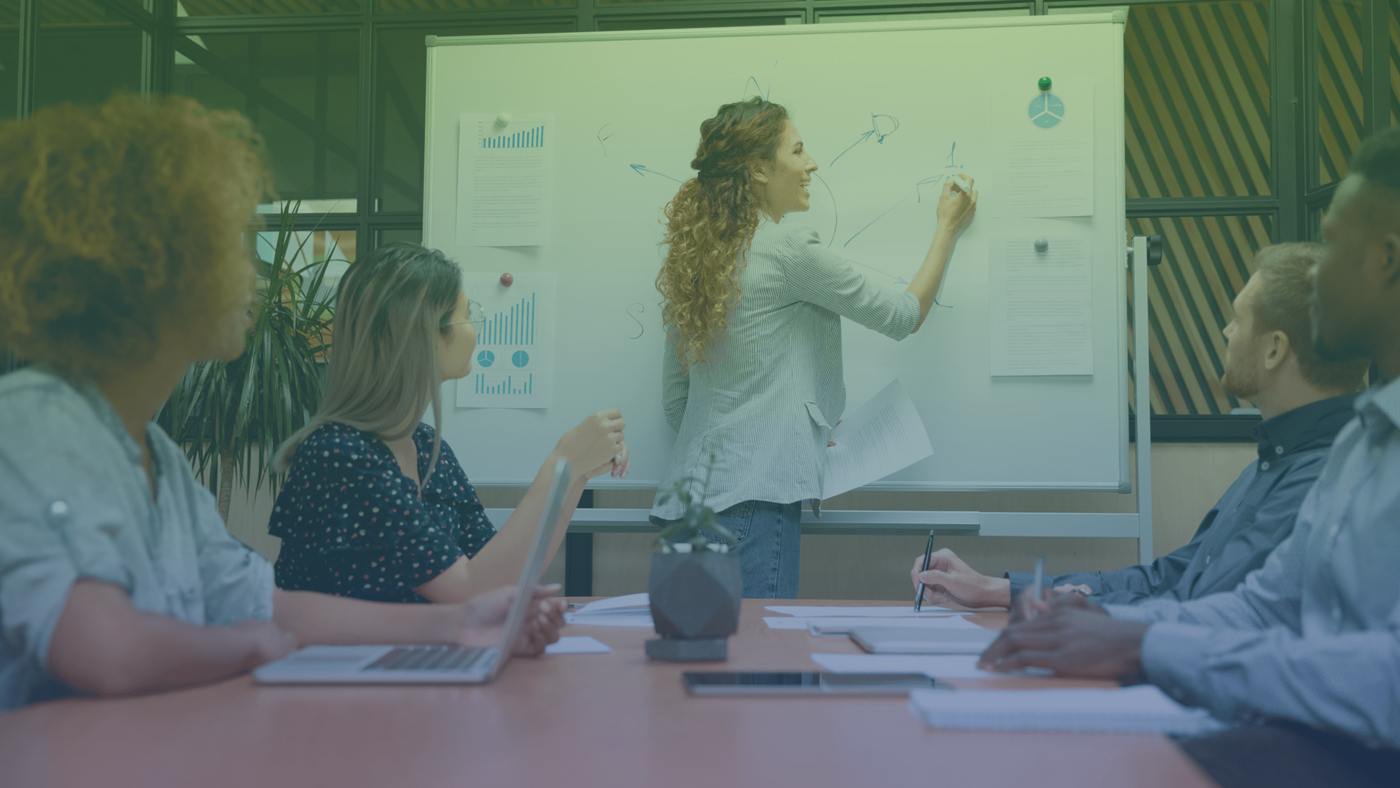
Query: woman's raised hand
955, 206
596, 446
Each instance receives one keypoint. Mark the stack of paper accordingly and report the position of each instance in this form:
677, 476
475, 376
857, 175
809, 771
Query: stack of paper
1140, 708
632, 610
937, 666
838, 620
578, 645
878, 611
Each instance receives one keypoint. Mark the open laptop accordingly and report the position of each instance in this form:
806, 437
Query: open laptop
912, 640
429, 664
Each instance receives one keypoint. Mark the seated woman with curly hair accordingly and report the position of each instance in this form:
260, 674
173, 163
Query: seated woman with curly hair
122, 261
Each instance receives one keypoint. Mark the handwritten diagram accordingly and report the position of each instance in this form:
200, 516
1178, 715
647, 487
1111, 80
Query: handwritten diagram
881, 126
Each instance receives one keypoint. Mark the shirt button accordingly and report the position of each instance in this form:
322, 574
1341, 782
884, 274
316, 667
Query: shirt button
1207, 560
1278, 450
1264, 465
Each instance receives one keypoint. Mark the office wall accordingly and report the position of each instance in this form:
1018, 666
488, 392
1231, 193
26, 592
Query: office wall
1187, 478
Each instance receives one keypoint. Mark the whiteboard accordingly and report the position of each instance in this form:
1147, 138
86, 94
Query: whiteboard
957, 90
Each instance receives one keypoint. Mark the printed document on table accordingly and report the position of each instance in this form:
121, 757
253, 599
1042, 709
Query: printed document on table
835, 624
578, 645
938, 666
631, 610
1041, 307
870, 611
503, 180
513, 364
881, 437
1140, 708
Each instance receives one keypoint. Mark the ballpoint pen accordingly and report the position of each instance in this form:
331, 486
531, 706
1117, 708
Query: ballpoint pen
928, 553
1036, 584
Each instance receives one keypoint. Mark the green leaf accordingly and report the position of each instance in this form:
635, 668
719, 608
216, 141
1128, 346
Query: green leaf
246, 408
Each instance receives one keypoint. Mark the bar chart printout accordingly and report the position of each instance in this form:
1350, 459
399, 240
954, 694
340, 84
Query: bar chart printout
513, 363
503, 181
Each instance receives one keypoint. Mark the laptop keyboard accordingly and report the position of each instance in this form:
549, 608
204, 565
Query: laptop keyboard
453, 659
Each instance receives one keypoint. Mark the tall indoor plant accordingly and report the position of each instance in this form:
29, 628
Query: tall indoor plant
226, 414
696, 586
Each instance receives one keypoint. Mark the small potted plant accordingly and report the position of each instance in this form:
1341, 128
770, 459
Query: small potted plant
696, 586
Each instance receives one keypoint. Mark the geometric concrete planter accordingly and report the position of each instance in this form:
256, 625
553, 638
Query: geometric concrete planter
695, 604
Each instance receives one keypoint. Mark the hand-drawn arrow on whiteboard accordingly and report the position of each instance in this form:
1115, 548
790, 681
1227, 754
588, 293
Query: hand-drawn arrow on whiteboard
642, 170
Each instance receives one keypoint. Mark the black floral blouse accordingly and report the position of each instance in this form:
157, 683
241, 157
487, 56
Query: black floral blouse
353, 525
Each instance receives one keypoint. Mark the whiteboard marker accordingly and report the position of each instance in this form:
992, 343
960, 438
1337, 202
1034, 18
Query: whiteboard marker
962, 183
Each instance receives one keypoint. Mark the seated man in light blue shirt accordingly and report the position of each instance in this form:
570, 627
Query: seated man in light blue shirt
1304, 399
1306, 652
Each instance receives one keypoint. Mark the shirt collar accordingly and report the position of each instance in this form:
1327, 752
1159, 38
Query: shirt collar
101, 408
1381, 403
1313, 424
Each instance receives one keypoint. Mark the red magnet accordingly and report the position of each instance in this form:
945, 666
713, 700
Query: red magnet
507, 280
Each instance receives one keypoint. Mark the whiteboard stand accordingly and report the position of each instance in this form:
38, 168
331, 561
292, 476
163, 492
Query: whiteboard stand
1145, 251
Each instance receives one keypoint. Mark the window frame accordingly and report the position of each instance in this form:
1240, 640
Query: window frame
1293, 66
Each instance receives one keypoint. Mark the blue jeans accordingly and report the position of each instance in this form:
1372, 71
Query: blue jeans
770, 545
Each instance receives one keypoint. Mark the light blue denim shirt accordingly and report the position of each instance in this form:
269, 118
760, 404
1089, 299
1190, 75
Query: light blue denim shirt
76, 504
1314, 635
766, 401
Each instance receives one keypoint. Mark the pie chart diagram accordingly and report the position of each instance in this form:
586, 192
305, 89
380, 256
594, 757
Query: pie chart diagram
1047, 110
520, 358
485, 358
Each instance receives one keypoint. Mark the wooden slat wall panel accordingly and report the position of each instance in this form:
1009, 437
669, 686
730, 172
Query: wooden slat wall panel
1341, 111
1394, 62
1206, 262
1197, 82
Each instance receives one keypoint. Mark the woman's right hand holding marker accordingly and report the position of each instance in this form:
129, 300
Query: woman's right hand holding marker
957, 204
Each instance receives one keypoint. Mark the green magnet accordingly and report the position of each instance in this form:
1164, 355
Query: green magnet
1044, 83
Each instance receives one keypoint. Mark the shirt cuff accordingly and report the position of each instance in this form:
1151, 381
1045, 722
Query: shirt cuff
1019, 582
1172, 656
1127, 612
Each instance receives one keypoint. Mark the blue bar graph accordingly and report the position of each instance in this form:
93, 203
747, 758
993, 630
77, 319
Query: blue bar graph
507, 386
511, 326
528, 138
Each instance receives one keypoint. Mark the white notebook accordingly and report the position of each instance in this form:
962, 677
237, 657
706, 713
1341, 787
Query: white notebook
1140, 708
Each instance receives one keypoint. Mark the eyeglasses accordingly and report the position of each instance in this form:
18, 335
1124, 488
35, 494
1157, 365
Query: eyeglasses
476, 315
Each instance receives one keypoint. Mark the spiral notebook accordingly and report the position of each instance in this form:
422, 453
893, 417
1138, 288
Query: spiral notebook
1140, 708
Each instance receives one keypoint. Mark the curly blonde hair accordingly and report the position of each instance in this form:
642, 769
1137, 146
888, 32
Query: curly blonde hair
119, 222
710, 223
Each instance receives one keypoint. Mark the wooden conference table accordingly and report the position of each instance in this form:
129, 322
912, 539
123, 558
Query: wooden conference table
560, 721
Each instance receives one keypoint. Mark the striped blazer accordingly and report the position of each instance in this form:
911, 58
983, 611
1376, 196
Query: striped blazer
766, 400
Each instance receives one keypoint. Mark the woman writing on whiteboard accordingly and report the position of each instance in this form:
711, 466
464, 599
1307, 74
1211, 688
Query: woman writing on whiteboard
752, 309
375, 505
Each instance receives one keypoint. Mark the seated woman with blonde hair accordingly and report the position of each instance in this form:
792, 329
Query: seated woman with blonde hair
376, 505
123, 261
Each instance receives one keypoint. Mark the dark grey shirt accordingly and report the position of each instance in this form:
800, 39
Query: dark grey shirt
1252, 518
